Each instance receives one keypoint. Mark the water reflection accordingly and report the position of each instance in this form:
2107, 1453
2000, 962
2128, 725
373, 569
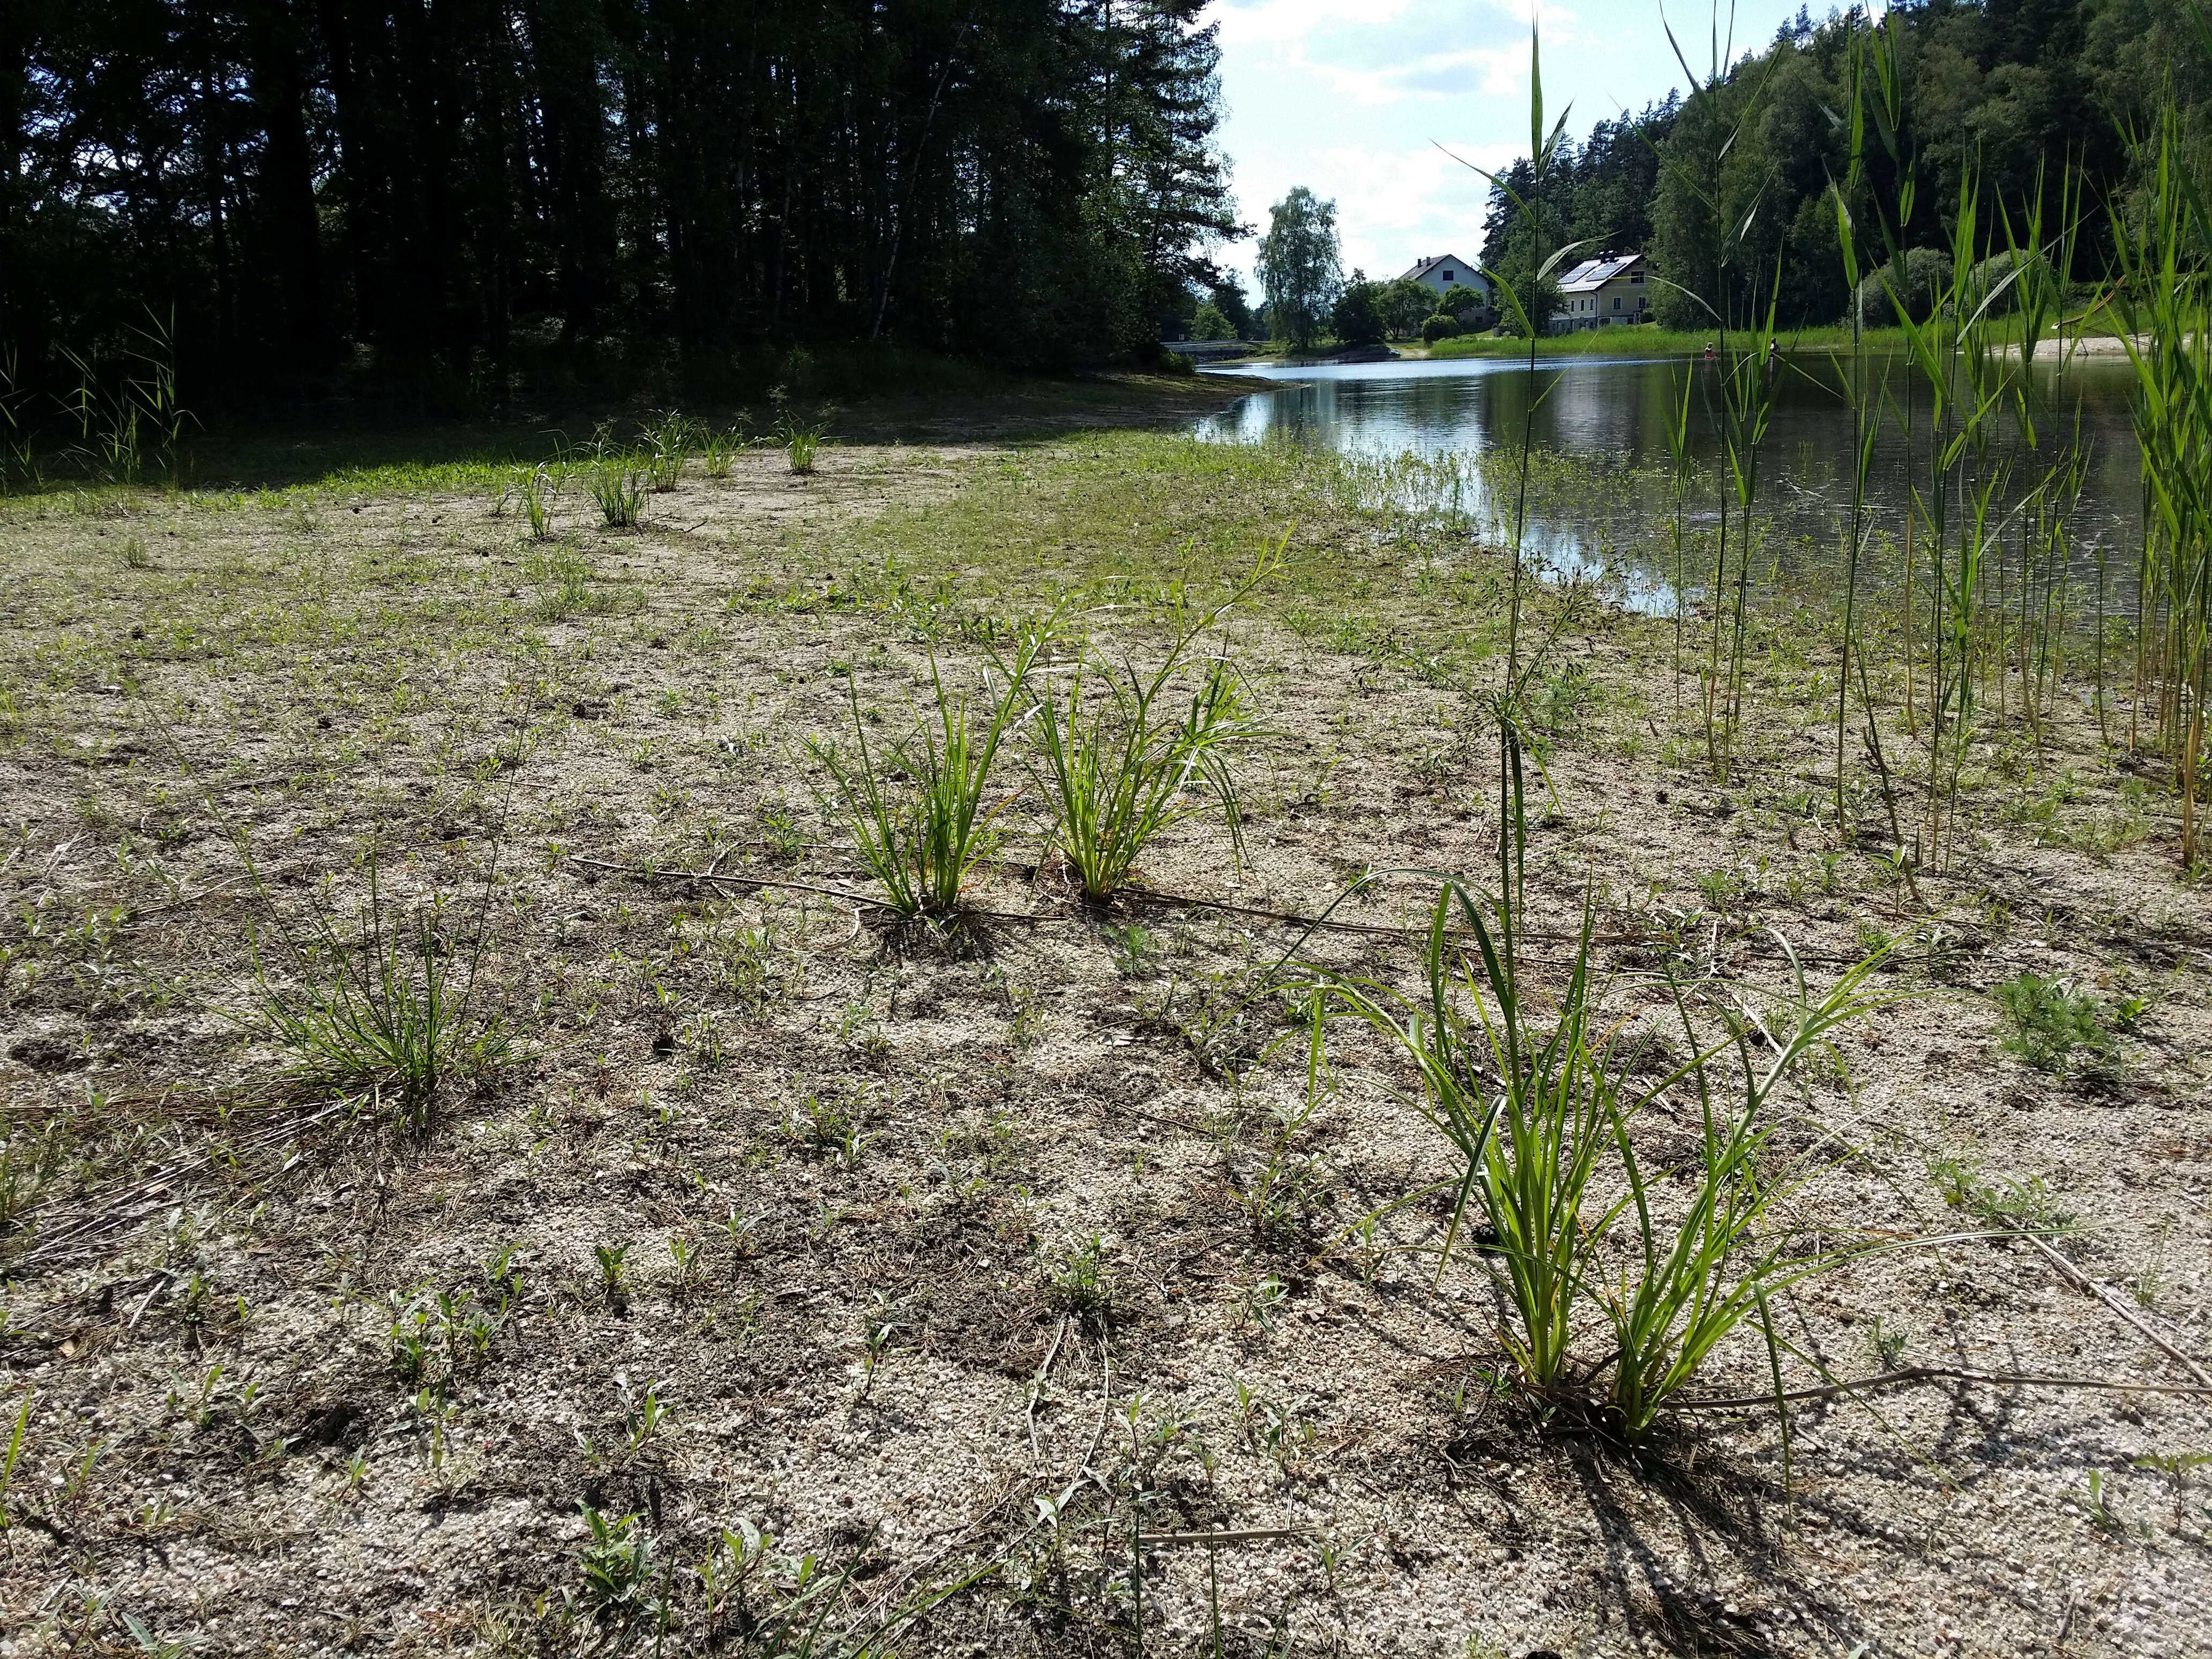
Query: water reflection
1612, 413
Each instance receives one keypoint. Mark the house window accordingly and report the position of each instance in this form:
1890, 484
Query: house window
1448, 276
1616, 302
1636, 276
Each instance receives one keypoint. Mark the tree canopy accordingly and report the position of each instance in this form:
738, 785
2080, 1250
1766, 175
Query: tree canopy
1357, 317
1300, 267
2008, 91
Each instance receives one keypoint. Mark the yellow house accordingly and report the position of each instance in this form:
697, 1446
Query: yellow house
1604, 293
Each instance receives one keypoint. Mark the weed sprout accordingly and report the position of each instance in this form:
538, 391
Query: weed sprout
613, 1260
1078, 1283
2049, 1024
616, 1568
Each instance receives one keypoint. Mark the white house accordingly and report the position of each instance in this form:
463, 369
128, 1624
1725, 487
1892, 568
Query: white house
1447, 271
1603, 292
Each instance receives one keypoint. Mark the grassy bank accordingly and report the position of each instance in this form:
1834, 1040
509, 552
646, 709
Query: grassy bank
745, 1258
1635, 342
863, 394
1648, 341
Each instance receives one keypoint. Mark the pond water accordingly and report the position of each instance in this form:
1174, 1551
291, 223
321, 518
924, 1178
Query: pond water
1608, 419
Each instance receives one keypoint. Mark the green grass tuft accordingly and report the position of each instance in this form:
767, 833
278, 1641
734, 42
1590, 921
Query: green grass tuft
1542, 1149
921, 842
390, 1015
1121, 767
616, 482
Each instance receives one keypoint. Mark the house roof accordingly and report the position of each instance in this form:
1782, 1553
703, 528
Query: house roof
1470, 273
1595, 273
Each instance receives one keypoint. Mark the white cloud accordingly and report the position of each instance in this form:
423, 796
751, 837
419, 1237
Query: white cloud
1492, 69
1376, 52
1267, 22
1248, 23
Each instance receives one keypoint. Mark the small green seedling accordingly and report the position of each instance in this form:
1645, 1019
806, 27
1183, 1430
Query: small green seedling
612, 1260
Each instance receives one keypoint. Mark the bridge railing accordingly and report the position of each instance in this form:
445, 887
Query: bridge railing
1208, 350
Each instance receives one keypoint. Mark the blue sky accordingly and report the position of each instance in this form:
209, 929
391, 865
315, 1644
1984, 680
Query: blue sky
1351, 97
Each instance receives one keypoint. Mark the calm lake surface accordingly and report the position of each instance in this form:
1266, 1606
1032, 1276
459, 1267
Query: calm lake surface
1613, 414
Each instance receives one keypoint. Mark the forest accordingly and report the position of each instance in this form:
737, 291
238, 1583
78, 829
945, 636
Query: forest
2009, 96
442, 200
443, 197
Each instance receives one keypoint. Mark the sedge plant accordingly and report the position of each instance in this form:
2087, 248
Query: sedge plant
1126, 755
1538, 1114
1682, 477
387, 1010
1544, 153
2166, 305
667, 444
540, 490
920, 839
1866, 398
1724, 286
801, 436
719, 447
616, 482
1528, 1117
1687, 1286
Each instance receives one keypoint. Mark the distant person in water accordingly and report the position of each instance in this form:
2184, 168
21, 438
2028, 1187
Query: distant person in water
1708, 351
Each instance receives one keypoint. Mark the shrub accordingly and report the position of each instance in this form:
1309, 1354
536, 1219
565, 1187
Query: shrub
2001, 280
1439, 327
1404, 303
1927, 273
1356, 318
1460, 299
